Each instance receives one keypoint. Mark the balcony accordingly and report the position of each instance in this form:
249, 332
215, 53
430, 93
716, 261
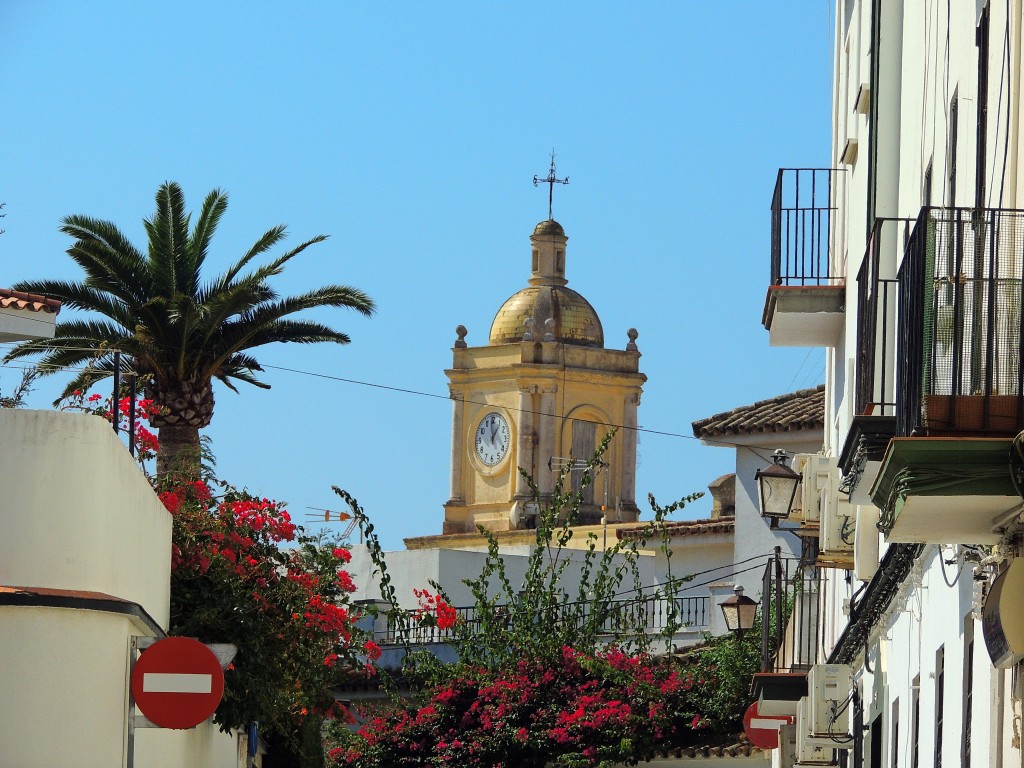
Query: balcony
790, 638
959, 386
621, 621
875, 379
960, 332
805, 302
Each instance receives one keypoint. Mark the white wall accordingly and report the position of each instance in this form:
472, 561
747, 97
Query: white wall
707, 557
78, 513
927, 53
414, 569
755, 539
64, 677
26, 324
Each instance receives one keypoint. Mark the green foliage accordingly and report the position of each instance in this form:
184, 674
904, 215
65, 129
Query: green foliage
152, 305
725, 666
540, 617
242, 573
17, 396
550, 673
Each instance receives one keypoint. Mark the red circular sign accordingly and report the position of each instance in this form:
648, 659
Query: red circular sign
177, 682
763, 730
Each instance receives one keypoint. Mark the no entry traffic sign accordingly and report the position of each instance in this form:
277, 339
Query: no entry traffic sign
763, 731
177, 682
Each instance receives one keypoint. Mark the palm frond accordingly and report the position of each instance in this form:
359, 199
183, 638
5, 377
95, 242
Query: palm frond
108, 258
295, 332
267, 240
214, 206
241, 373
86, 379
79, 296
169, 260
327, 296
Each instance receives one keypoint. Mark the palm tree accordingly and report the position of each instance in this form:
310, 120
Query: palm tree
176, 332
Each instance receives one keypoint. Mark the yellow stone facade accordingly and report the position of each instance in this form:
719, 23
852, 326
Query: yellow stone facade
546, 374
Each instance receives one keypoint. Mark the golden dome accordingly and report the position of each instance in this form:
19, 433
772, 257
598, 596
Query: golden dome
575, 321
549, 227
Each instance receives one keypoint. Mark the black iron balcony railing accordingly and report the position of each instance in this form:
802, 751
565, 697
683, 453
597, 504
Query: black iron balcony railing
876, 318
801, 223
960, 331
623, 618
790, 609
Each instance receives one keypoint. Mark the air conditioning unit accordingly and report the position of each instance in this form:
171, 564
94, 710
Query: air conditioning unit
828, 692
810, 751
787, 745
865, 543
817, 473
838, 526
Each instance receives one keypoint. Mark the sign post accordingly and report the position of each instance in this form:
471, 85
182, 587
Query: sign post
177, 683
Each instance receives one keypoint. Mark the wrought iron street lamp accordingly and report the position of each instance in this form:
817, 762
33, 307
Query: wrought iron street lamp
739, 611
776, 487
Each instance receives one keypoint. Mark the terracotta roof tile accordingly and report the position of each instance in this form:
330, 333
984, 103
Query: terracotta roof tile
686, 528
804, 409
49, 592
31, 301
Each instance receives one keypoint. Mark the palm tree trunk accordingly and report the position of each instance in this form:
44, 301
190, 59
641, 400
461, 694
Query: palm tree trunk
179, 451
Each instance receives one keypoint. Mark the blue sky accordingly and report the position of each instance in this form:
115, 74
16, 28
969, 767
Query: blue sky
410, 134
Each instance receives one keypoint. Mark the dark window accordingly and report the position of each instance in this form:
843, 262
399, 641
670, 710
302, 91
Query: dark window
954, 112
876, 742
858, 732
940, 682
927, 191
982, 41
915, 722
968, 708
894, 735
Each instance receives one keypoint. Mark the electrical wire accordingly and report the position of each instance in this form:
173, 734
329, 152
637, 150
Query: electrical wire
690, 585
942, 565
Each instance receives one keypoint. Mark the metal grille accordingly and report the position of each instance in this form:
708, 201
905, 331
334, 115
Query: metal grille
790, 602
622, 619
801, 220
876, 318
960, 324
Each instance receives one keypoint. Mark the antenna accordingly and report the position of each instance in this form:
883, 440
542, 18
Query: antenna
330, 516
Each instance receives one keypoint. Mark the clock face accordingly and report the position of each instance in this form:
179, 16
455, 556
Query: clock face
492, 439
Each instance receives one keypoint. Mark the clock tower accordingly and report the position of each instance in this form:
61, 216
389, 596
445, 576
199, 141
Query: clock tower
543, 392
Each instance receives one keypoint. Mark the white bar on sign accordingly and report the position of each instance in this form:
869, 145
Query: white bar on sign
166, 682
767, 723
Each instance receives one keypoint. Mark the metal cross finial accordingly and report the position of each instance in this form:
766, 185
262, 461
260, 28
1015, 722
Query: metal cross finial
551, 180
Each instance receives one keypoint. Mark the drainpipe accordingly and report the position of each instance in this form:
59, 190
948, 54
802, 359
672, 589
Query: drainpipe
998, 692
1014, 97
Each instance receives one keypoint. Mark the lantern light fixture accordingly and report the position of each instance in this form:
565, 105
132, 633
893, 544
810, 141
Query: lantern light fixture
776, 487
739, 611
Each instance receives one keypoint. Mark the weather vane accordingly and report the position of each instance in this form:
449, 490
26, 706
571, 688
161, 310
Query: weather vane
551, 180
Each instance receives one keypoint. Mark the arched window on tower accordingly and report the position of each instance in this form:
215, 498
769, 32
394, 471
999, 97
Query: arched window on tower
584, 443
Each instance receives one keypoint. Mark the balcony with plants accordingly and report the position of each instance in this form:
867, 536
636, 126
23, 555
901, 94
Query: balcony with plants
959, 404
806, 299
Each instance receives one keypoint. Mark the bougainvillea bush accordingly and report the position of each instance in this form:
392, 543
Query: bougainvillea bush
242, 572
538, 682
586, 709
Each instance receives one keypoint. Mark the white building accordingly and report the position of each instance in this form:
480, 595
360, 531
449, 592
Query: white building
904, 259
85, 557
